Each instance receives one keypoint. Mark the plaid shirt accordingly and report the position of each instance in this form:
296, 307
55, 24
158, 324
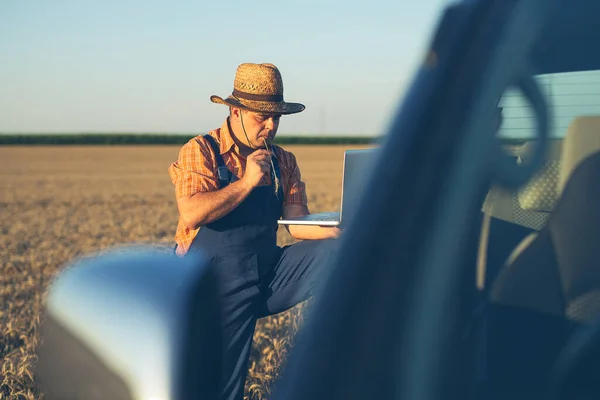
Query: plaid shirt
196, 171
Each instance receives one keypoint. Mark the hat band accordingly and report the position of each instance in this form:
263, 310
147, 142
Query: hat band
258, 97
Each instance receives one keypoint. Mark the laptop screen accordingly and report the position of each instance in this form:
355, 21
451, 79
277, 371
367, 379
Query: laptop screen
357, 168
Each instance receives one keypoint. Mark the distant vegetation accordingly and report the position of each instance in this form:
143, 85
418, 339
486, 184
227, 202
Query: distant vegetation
161, 139
179, 139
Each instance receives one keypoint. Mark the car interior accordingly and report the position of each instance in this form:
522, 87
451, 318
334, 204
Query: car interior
538, 250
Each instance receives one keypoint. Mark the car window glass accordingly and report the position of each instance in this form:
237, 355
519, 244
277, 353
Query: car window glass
570, 94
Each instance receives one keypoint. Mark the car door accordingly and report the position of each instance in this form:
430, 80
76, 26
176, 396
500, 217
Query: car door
392, 313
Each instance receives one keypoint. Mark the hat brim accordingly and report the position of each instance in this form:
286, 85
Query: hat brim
260, 106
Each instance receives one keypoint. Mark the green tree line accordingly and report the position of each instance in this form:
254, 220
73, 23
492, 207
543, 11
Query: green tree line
158, 139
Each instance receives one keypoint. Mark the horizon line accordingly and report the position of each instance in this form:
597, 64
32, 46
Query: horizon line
170, 133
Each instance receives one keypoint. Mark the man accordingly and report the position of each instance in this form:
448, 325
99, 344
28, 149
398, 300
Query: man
232, 186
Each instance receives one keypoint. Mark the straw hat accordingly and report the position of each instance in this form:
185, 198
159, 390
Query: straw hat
258, 88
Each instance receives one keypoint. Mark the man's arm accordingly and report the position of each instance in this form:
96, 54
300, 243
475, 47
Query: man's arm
296, 204
205, 207
307, 232
198, 199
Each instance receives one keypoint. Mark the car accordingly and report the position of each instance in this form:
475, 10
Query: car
433, 293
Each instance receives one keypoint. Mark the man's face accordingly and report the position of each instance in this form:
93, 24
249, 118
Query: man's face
256, 125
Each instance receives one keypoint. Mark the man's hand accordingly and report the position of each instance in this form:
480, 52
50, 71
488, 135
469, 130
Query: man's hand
257, 165
335, 232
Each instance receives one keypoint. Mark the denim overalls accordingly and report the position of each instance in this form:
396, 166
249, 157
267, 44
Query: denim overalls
256, 277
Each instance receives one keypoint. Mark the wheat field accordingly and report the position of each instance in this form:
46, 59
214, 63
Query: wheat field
59, 203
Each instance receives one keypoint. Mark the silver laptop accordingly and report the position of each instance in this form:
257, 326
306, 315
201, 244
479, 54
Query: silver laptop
356, 169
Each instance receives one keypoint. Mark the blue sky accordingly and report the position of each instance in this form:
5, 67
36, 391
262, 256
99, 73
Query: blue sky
151, 66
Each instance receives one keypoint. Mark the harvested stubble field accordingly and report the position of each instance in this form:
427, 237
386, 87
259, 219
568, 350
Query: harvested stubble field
59, 203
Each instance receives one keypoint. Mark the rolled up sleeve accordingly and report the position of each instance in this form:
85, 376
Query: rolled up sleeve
294, 187
193, 172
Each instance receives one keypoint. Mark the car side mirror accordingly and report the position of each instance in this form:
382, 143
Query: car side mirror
138, 324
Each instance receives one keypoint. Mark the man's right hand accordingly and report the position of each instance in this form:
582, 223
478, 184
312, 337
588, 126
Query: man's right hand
257, 165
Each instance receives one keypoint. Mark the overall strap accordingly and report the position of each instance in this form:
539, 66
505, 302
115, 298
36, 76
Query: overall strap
224, 175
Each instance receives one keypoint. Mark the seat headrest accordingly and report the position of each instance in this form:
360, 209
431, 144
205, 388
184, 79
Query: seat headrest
531, 205
581, 141
544, 189
541, 192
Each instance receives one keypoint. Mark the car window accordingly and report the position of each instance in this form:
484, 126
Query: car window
570, 94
